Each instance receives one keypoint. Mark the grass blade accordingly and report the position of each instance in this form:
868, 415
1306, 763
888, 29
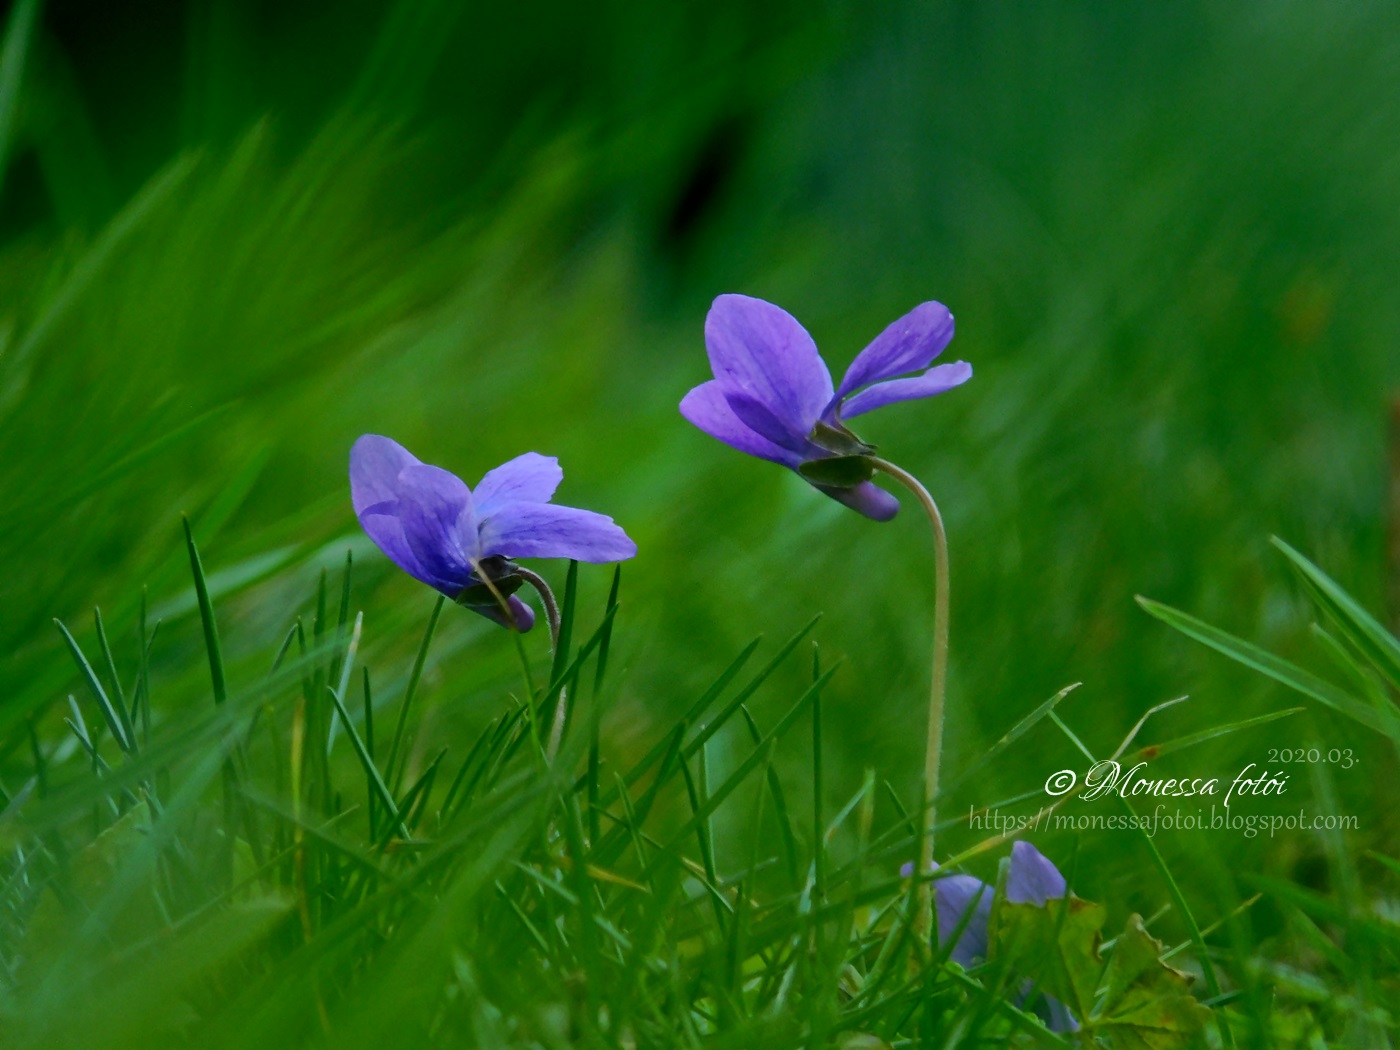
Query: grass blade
414, 677
1362, 629
206, 617
381, 789
113, 679
1265, 663
115, 723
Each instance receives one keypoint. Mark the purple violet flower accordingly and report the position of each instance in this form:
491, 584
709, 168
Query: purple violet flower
772, 395
462, 542
1030, 879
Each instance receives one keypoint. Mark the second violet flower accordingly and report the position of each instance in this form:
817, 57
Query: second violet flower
772, 395
463, 542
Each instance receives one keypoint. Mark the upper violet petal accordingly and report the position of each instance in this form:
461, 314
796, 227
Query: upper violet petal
707, 407
936, 380
375, 464
866, 498
760, 350
1032, 879
544, 530
952, 897
439, 524
906, 345
528, 478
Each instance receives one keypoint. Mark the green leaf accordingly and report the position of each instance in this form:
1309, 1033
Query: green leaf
1056, 945
1146, 1005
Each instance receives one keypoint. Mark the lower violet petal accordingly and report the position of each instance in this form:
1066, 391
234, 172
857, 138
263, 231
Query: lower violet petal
867, 498
953, 897
438, 523
381, 523
524, 615
755, 415
707, 408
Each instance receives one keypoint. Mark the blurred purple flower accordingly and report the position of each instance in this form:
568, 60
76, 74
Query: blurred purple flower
772, 395
1030, 879
461, 542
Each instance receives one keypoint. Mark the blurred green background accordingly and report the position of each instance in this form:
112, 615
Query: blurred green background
236, 235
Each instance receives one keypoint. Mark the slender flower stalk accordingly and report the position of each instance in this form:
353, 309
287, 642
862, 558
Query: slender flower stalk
551, 615
937, 685
772, 397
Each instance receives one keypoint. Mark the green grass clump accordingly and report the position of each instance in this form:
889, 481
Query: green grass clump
275, 870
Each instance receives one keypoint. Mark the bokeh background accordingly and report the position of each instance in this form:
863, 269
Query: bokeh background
236, 235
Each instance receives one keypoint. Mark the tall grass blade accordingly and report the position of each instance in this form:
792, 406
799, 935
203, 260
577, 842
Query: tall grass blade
115, 722
1362, 629
206, 618
391, 773
1265, 663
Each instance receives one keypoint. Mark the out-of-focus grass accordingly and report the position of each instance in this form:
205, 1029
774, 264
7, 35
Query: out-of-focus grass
1167, 235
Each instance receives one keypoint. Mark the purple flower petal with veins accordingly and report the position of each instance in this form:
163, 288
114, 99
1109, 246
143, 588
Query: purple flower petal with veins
460, 542
772, 396
1031, 879
953, 895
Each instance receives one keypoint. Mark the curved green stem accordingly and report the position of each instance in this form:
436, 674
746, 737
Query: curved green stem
937, 689
551, 613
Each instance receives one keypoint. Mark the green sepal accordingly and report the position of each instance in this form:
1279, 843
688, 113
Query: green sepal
839, 440
503, 582
840, 472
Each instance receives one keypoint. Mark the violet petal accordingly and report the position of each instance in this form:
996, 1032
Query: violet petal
760, 350
543, 530
524, 615
1056, 1015
936, 380
706, 407
952, 897
867, 498
381, 523
435, 507
1032, 879
755, 415
528, 478
906, 345
375, 463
